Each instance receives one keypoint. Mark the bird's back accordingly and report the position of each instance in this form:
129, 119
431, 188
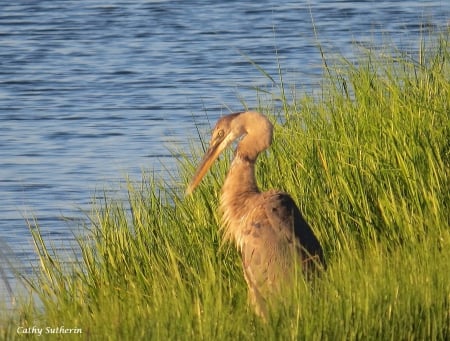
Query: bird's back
276, 241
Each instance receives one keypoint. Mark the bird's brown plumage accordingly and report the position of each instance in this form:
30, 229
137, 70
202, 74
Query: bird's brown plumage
267, 227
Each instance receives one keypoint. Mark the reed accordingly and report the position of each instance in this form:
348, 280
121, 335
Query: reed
367, 162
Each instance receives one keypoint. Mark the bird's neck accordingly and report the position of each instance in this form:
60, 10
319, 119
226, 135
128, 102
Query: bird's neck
240, 177
238, 192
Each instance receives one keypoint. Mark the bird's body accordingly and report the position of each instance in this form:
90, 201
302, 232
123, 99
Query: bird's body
267, 227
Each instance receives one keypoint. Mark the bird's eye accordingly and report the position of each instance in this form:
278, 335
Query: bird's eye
220, 133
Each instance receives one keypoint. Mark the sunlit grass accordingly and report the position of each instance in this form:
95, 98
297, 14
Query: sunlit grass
368, 164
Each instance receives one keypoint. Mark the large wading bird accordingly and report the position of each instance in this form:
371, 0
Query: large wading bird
267, 227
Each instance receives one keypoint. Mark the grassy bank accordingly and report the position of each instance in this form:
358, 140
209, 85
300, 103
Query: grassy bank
367, 162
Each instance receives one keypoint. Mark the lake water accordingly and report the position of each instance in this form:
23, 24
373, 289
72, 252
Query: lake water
92, 91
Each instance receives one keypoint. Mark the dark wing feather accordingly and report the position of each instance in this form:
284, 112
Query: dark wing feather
284, 214
274, 236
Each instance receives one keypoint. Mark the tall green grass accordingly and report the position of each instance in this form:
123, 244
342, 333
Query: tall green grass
367, 162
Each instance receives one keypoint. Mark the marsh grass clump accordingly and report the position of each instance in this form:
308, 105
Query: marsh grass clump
368, 164
375, 148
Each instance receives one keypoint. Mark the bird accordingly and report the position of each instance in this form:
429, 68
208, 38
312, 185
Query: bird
267, 228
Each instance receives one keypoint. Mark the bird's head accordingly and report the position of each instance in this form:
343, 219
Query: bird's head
223, 134
255, 126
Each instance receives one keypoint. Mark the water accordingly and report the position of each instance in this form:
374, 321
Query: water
92, 91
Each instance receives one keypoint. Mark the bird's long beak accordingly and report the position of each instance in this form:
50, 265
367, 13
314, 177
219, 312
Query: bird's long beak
213, 152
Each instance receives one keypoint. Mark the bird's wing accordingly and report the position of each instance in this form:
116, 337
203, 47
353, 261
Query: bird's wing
276, 235
284, 215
